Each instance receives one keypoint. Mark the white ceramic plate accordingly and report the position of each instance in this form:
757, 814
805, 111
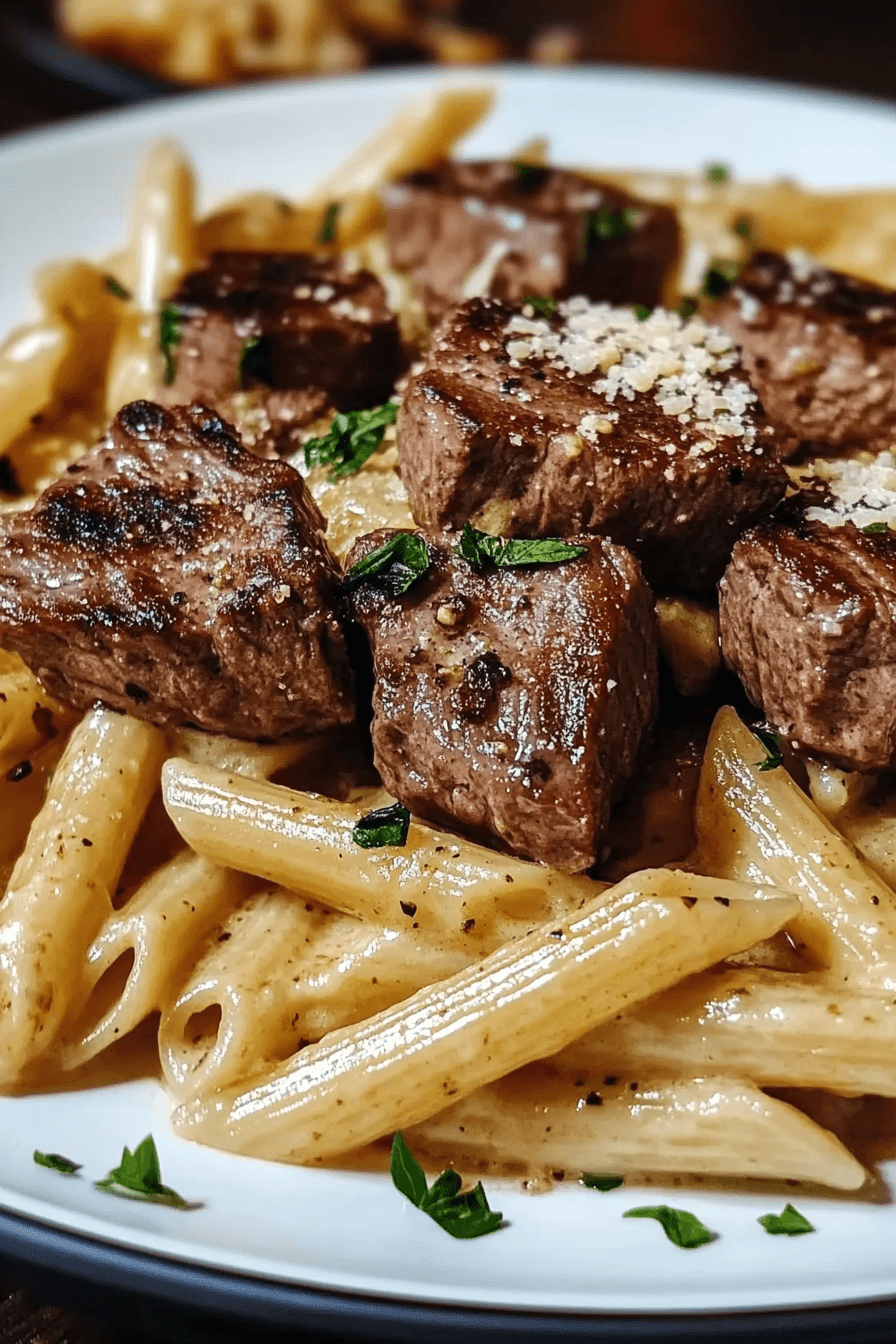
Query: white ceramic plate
65, 192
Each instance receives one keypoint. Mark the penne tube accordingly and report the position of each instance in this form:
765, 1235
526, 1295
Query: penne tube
565, 1122
162, 247
28, 714
61, 887
139, 959
756, 825
30, 359
422, 133
779, 1029
304, 842
255, 760
528, 999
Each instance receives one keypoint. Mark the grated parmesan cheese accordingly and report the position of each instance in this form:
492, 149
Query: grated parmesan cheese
863, 489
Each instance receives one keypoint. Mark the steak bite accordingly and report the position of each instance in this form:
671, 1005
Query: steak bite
513, 703
808, 621
298, 331
513, 229
592, 421
820, 349
172, 574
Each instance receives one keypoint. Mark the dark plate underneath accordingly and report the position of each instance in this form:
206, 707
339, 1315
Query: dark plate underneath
186, 1303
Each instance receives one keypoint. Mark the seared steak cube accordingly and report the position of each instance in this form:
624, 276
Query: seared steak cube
820, 349
172, 574
591, 421
808, 621
513, 703
254, 321
514, 230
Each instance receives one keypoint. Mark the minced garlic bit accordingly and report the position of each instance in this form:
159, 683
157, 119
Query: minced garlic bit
682, 362
863, 489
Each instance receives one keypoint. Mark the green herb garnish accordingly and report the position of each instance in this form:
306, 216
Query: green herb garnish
610, 222
56, 1162
393, 567
642, 312
478, 547
687, 308
682, 1228
743, 227
718, 173
593, 1180
116, 287
328, 227
544, 307
772, 746
256, 364
789, 1223
463, 1216
139, 1175
872, 529
719, 277
383, 826
529, 176
170, 335
351, 439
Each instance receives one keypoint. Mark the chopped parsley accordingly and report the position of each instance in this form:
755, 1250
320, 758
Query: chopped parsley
682, 1228
478, 547
138, 1176
393, 567
116, 287
256, 363
529, 177
352, 438
642, 312
544, 307
687, 308
772, 746
593, 1180
56, 1162
610, 222
328, 226
718, 173
743, 227
170, 335
460, 1215
788, 1223
383, 826
719, 277
872, 529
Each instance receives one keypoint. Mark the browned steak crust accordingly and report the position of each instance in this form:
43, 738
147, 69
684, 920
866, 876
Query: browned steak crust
253, 321
176, 576
820, 348
513, 704
511, 230
808, 621
542, 428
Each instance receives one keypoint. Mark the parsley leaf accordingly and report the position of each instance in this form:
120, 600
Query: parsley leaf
383, 826
743, 227
871, 529
56, 1162
642, 312
544, 307
170, 335
352, 438
593, 1180
718, 173
772, 746
256, 362
393, 567
719, 277
478, 547
529, 177
687, 308
682, 1228
116, 287
788, 1223
139, 1174
462, 1216
610, 222
328, 226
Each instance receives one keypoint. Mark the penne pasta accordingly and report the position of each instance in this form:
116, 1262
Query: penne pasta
525, 1001
569, 1122
61, 887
